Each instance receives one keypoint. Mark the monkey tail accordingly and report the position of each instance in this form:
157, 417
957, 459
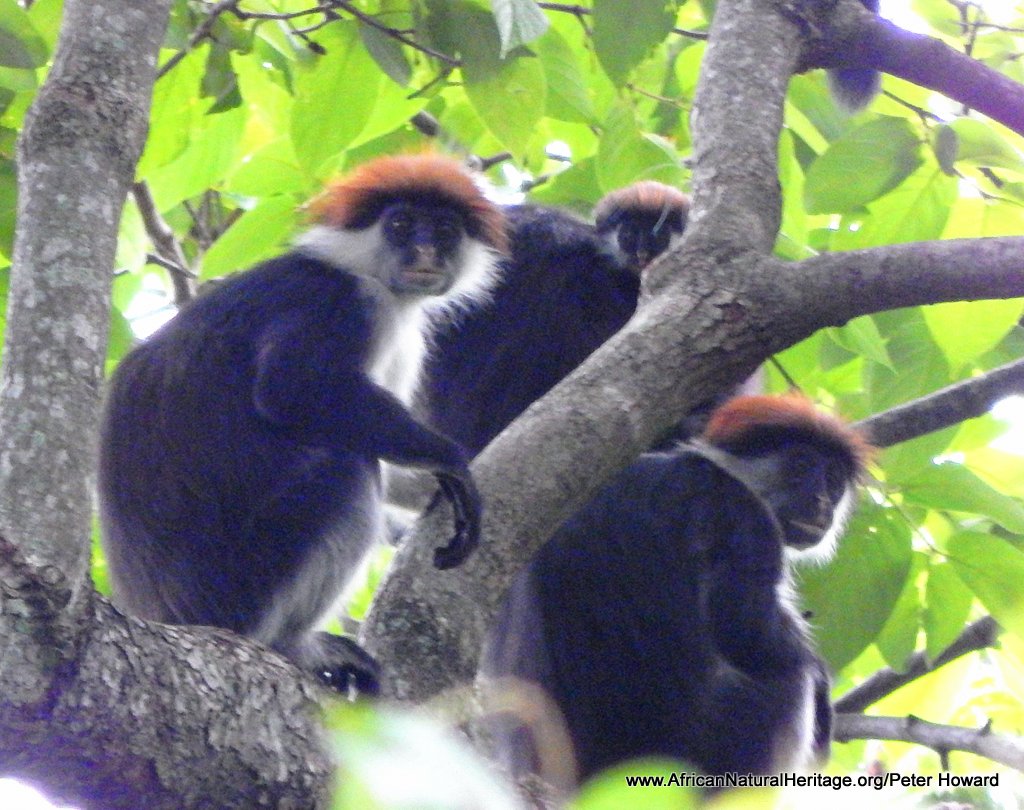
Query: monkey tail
853, 88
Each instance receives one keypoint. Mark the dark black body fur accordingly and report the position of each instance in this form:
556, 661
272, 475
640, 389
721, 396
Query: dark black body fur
560, 297
239, 474
652, 619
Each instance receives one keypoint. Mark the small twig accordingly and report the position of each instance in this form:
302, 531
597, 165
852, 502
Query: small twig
977, 636
1004, 749
168, 249
583, 11
395, 34
202, 32
946, 407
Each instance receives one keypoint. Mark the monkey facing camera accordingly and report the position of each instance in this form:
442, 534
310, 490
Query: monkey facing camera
241, 447
660, 620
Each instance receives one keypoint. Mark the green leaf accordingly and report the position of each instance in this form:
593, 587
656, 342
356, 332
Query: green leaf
174, 112
980, 145
852, 598
204, 163
567, 91
625, 155
947, 606
954, 488
626, 31
219, 81
334, 98
508, 94
915, 365
861, 336
21, 46
256, 235
994, 570
8, 206
862, 166
387, 53
519, 22
271, 170
898, 637
966, 330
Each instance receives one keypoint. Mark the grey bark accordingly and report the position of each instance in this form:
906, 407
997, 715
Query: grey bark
710, 313
98, 709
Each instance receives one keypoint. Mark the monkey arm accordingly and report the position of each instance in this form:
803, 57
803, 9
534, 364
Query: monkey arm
320, 398
752, 627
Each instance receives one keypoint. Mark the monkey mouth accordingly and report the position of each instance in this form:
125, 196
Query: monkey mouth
423, 277
811, 532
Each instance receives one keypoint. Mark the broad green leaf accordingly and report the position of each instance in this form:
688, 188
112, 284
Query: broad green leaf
947, 606
21, 46
219, 80
861, 336
915, 211
972, 217
256, 235
175, 111
994, 570
862, 166
576, 187
791, 176
387, 53
508, 94
334, 98
979, 144
8, 206
626, 31
625, 155
852, 598
519, 23
45, 16
966, 330
898, 637
915, 365
274, 169
567, 98
205, 162
953, 487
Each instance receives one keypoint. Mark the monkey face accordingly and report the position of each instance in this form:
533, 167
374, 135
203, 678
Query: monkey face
638, 237
802, 482
422, 244
814, 481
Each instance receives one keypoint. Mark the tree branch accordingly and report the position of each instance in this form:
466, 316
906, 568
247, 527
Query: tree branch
76, 156
855, 38
1005, 750
172, 257
946, 407
983, 633
711, 311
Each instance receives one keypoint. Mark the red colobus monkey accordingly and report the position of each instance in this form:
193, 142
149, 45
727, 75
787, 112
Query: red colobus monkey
565, 288
640, 222
659, 619
239, 477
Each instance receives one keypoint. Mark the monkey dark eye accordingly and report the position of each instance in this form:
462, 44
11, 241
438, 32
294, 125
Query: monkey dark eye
447, 233
398, 226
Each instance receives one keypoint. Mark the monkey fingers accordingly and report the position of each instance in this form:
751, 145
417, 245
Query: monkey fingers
461, 493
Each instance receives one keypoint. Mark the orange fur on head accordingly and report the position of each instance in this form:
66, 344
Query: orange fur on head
738, 418
647, 195
345, 199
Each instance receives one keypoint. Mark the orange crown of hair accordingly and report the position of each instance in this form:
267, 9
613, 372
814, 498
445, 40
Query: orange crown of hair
346, 198
648, 195
737, 419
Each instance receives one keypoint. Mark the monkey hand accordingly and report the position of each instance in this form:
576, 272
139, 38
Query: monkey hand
460, 491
